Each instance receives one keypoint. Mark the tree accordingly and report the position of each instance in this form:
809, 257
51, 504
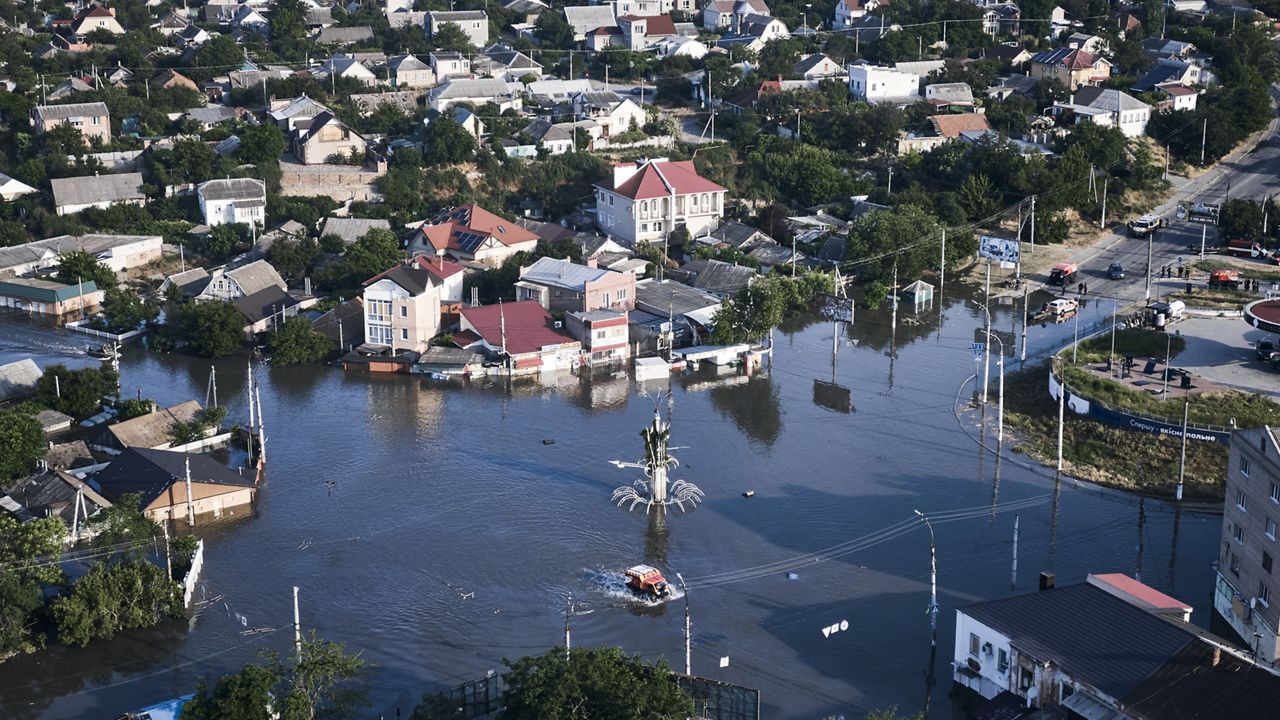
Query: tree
779, 57
288, 19
197, 428
977, 197
135, 407
79, 266
591, 683
115, 597
1241, 220
891, 713
446, 142
23, 441
77, 393
246, 694
219, 54
450, 37
124, 310
220, 243
553, 30
21, 576
263, 143
297, 343
211, 329
376, 251
122, 524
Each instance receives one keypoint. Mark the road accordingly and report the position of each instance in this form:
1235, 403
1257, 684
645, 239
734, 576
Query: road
1251, 172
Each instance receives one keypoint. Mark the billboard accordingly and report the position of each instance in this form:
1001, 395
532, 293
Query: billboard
1003, 250
834, 308
1199, 212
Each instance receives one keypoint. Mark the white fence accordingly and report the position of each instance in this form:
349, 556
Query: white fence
82, 326
189, 582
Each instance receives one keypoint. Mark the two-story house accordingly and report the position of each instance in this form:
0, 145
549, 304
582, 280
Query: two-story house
1072, 67
849, 10
719, 16
472, 234
234, 200
447, 65
473, 23
407, 71
560, 285
241, 282
93, 120
874, 84
605, 334
1107, 107
403, 306
648, 199
97, 17
324, 136
615, 114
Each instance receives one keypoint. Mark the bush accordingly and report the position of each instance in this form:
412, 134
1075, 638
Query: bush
115, 597
77, 393
23, 441
297, 343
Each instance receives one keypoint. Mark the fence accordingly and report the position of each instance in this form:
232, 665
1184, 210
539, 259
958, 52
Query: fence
82, 326
189, 582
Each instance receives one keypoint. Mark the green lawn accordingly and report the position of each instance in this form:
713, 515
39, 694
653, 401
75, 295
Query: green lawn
1258, 270
1216, 408
1138, 342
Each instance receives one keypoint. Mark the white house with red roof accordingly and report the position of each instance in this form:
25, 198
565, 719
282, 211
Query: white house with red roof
96, 17
403, 306
469, 233
522, 333
647, 199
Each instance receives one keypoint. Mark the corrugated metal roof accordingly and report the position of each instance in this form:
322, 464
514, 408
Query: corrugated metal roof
19, 378
93, 189
152, 430
554, 272
45, 291
233, 189
150, 472
71, 110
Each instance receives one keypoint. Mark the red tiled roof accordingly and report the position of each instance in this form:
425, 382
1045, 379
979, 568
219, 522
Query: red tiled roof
442, 230
465, 338
438, 267
647, 182
1079, 60
656, 25
1177, 89
950, 126
528, 328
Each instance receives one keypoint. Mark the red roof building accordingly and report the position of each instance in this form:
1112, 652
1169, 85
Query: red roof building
469, 233
648, 199
524, 331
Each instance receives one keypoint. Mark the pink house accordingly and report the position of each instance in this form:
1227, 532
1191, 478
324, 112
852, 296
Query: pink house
564, 286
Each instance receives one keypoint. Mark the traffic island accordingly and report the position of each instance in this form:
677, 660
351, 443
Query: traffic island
1264, 315
1138, 447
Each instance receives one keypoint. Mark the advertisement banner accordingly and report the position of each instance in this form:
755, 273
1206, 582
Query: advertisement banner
834, 308
1002, 250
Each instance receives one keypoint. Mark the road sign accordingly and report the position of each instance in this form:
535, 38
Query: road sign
978, 349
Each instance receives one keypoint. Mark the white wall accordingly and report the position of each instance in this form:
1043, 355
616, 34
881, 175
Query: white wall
874, 84
993, 682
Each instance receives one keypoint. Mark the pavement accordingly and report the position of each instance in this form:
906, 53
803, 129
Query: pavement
1221, 351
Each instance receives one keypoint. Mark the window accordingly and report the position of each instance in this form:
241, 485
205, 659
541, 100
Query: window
1238, 533
404, 333
1271, 528
1025, 678
1264, 594
1242, 500
1003, 662
1244, 470
604, 298
644, 227
1266, 562
404, 310
1235, 565
1275, 493
974, 644
622, 293
600, 334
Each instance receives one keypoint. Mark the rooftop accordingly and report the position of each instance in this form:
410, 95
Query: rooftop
554, 272
233, 189
92, 189
150, 472
72, 110
152, 430
660, 178
525, 325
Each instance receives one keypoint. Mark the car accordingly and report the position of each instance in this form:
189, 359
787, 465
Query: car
1265, 349
638, 90
1115, 271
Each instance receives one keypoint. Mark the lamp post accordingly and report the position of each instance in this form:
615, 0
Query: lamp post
688, 645
933, 580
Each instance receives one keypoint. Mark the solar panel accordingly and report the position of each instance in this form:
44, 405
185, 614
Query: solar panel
469, 241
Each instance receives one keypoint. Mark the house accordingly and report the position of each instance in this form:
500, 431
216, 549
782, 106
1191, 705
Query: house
615, 113
586, 18
346, 67
720, 279
19, 379
264, 310
680, 46
817, 67
404, 101
1247, 592
604, 334
469, 121
754, 31
53, 493
949, 96
476, 92
117, 252
510, 64
1001, 19
168, 79
45, 297
237, 200
473, 23
648, 199
470, 233
1011, 52
1071, 67
11, 189
235, 283
93, 120
448, 65
557, 138
160, 480
288, 113
874, 84
642, 32
349, 229
1112, 108
96, 17
968, 125
1086, 42
246, 18
345, 36
1098, 650
192, 37
560, 285
153, 430
172, 23
522, 334
669, 299
188, 283
736, 235
1170, 71
73, 194
322, 137
407, 71
849, 10
719, 16
1180, 97
1160, 48
1004, 87
67, 88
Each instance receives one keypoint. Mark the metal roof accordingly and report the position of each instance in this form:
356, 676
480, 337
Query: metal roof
19, 378
352, 229
554, 272
257, 275
444, 16
45, 291
150, 472
344, 35
669, 296
92, 189
71, 110
233, 189
152, 430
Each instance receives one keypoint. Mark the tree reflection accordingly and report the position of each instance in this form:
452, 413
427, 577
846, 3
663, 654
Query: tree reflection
753, 407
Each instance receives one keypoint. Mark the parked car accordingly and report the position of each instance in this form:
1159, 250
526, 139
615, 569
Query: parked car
1265, 349
1115, 271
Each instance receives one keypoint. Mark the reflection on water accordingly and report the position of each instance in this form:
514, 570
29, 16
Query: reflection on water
753, 407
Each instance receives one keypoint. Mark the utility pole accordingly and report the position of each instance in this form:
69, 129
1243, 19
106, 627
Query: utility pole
1026, 313
889, 189
933, 581
1000, 401
191, 514
688, 632
1075, 338
1182, 460
1204, 133
1013, 575
568, 640
168, 561
1168, 342
942, 267
1062, 402
262, 432
297, 625
1033, 223
1204, 233
1115, 306
797, 125
1103, 224
986, 346
1151, 236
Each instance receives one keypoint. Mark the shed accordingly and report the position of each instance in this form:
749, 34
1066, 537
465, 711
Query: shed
919, 295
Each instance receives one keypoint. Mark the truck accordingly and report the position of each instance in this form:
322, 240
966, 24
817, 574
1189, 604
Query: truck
1063, 274
1224, 280
1245, 248
1145, 225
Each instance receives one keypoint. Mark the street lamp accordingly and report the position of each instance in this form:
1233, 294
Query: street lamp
688, 648
933, 579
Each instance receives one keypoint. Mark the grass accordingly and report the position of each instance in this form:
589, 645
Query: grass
1135, 342
1247, 268
1215, 408
1213, 299
1106, 455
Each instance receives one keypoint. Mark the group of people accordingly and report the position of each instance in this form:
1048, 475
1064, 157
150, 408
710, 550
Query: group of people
1181, 272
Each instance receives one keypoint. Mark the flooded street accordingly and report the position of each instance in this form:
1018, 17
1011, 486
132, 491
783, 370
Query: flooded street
436, 528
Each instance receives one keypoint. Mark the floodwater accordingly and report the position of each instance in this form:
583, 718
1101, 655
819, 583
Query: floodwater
437, 530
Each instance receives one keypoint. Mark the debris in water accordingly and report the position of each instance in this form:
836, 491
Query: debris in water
749, 493
549, 441
793, 576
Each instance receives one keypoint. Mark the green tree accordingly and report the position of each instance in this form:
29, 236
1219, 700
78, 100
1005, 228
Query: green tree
211, 329
246, 695
891, 713
553, 30
779, 57
450, 37
28, 559
77, 393
124, 523
1241, 220
376, 251
297, 343
135, 407
446, 142
288, 19
79, 266
124, 310
23, 441
111, 598
977, 197
263, 143
197, 428
220, 244
220, 54
592, 683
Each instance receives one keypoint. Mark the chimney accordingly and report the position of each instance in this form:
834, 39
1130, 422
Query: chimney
1047, 581
593, 262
